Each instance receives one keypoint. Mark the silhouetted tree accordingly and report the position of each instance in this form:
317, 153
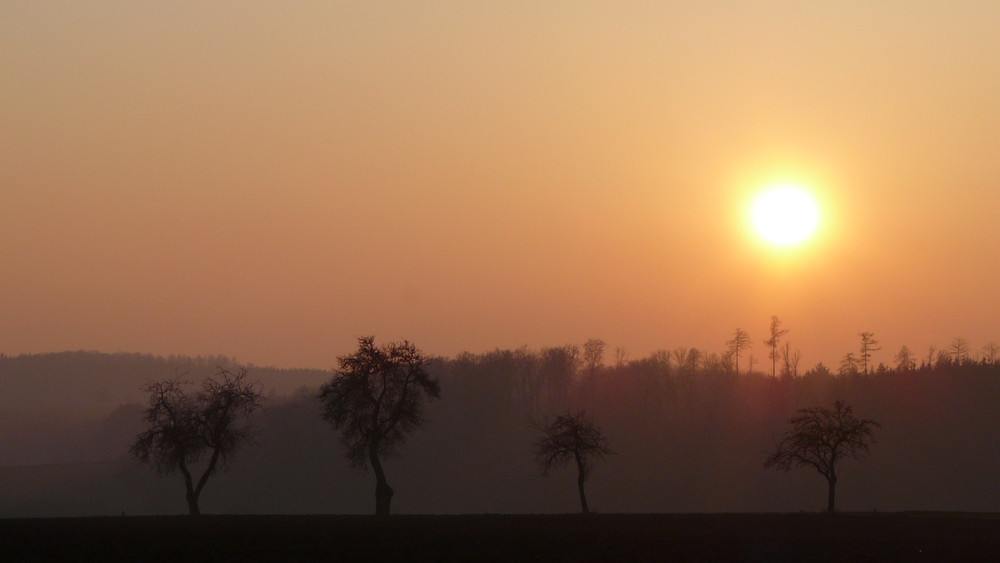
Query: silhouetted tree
776, 333
790, 360
991, 353
621, 357
929, 362
687, 359
557, 367
571, 437
868, 345
904, 359
848, 365
819, 371
820, 438
739, 343
680, 355
527, 383
713, 363
182, 428
593, 355
959, 350
375, 399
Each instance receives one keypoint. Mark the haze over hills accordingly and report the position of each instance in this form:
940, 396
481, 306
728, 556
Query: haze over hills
44, 397
87, 382
687, 437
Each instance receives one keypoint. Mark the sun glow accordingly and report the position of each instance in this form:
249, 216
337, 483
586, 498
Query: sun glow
785, 215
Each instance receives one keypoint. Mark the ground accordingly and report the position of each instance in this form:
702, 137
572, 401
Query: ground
601, 537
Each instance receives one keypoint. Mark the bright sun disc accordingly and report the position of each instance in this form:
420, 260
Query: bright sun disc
785, 215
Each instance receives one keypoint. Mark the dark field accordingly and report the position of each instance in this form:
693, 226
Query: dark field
655, 537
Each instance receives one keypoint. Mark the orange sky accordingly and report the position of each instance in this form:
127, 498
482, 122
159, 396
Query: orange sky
270, 180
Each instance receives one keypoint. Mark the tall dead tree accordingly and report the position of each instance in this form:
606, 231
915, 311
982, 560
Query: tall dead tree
776, 333
868, 345
739, 343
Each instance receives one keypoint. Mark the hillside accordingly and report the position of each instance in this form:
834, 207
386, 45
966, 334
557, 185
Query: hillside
56, 408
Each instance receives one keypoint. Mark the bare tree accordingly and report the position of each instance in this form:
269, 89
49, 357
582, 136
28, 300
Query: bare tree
375, 399
848, 365
929, 362
739, 343
868, 345
556, 368
991, 353
820, 438
621, 357
959, 350
904, 360
680, 355
712, 362
593, 355
571, 437
776, 333
790, 360
182, 428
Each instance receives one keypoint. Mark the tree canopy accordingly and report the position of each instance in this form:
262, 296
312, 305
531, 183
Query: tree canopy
375, 400
181, 428
820, 438
572, 437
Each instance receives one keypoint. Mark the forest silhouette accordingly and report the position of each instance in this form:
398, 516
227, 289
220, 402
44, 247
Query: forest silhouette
688, 433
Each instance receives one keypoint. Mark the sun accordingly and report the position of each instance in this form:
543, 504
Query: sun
785, 215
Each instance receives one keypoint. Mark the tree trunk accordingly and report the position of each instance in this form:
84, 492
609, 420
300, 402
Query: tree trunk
831, 494
192, 500
580, 478
191, 494
383, 492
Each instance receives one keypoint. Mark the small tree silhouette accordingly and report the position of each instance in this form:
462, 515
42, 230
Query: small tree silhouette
181, 428
740, 343
776, 333
820, 438
571, 436
868, 345
375, 400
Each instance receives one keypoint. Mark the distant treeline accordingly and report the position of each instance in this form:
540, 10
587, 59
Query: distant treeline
88, 382
688, 433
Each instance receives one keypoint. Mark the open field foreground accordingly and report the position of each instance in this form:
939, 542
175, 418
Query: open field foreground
618, 537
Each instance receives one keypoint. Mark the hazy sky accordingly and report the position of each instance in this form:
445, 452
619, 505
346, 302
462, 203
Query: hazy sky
269, 180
